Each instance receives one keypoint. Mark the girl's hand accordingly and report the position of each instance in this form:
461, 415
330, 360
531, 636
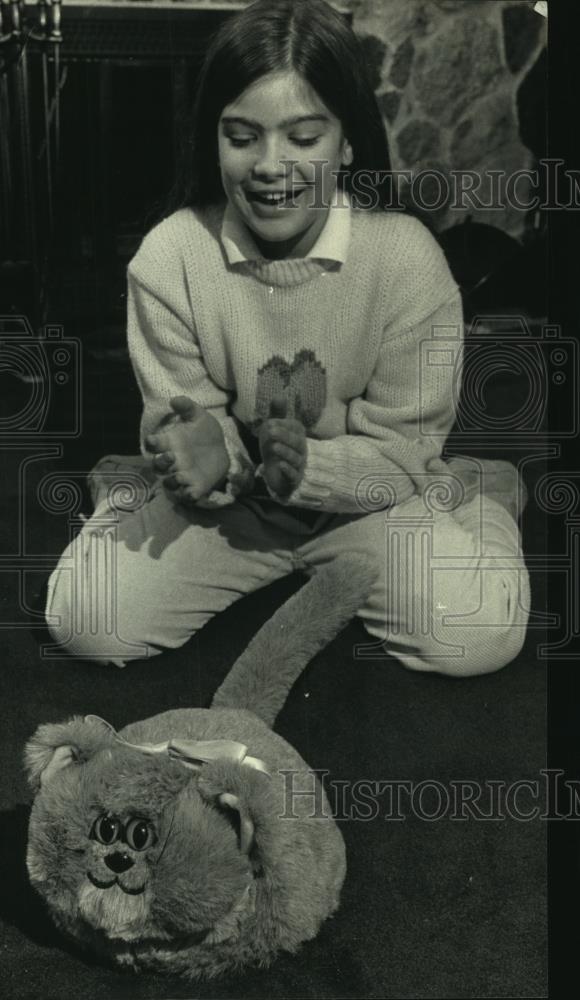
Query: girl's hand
282, 442
189, 450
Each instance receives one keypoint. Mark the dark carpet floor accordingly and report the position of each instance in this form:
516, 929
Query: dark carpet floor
429, 909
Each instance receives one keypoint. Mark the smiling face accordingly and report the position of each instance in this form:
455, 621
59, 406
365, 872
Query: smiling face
279, 150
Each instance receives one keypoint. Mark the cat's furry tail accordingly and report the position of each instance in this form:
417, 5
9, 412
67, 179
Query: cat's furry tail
262, 676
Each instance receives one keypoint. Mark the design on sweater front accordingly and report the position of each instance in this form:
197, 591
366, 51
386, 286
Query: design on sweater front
302, 382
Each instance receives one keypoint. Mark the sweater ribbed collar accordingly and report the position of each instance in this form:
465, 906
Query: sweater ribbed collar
328, 253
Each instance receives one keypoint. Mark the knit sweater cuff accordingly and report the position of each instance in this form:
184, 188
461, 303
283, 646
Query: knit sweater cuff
240, 476
319, 487
318, 482
338, 480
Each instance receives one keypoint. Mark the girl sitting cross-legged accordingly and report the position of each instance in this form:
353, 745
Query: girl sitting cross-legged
280, 323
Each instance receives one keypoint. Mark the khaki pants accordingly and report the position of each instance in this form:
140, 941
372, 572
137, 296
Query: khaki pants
452, 592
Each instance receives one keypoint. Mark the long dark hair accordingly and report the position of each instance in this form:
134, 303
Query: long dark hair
316, 41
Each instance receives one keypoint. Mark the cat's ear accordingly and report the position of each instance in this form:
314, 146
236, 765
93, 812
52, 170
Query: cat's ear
240, 818
56, 746
235, 808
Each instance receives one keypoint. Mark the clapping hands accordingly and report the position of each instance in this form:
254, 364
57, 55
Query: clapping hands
283, 448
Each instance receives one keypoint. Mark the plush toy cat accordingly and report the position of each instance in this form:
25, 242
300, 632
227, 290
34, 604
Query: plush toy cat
183, 843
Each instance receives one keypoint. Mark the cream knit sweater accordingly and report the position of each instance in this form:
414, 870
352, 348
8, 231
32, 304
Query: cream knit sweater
367, 352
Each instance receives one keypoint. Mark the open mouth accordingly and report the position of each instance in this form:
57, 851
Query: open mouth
274, 199
115, 881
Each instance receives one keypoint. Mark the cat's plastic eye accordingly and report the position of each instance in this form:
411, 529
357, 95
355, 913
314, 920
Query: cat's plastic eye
139, 834
106, 829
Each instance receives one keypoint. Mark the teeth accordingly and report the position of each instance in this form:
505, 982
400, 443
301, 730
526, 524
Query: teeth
274, 198
267, 196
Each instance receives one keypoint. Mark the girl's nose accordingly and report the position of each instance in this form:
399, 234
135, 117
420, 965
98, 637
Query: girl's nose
270, 161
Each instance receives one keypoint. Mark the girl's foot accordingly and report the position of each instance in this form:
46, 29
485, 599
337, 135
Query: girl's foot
494, 478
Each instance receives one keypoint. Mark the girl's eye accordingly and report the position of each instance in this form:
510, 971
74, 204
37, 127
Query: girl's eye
237, 140
139, 834
303, 141
106, 829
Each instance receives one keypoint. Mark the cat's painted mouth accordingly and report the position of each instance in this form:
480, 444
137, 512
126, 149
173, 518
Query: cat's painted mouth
115, 881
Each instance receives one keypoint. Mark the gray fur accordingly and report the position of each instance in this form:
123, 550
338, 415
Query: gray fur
263, 675
200, 899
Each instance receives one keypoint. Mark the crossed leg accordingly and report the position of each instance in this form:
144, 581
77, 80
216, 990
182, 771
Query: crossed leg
134, 583
452, 593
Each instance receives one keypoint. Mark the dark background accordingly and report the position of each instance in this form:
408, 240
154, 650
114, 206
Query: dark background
428, 910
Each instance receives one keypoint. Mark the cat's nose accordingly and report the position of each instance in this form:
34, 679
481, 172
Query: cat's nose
118, 862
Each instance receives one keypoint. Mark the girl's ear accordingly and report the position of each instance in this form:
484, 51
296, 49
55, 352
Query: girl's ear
58, 745
347, 154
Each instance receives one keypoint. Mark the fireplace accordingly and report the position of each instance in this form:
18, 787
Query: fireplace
74, 215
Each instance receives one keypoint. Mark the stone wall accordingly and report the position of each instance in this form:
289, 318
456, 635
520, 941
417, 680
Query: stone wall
447, 74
